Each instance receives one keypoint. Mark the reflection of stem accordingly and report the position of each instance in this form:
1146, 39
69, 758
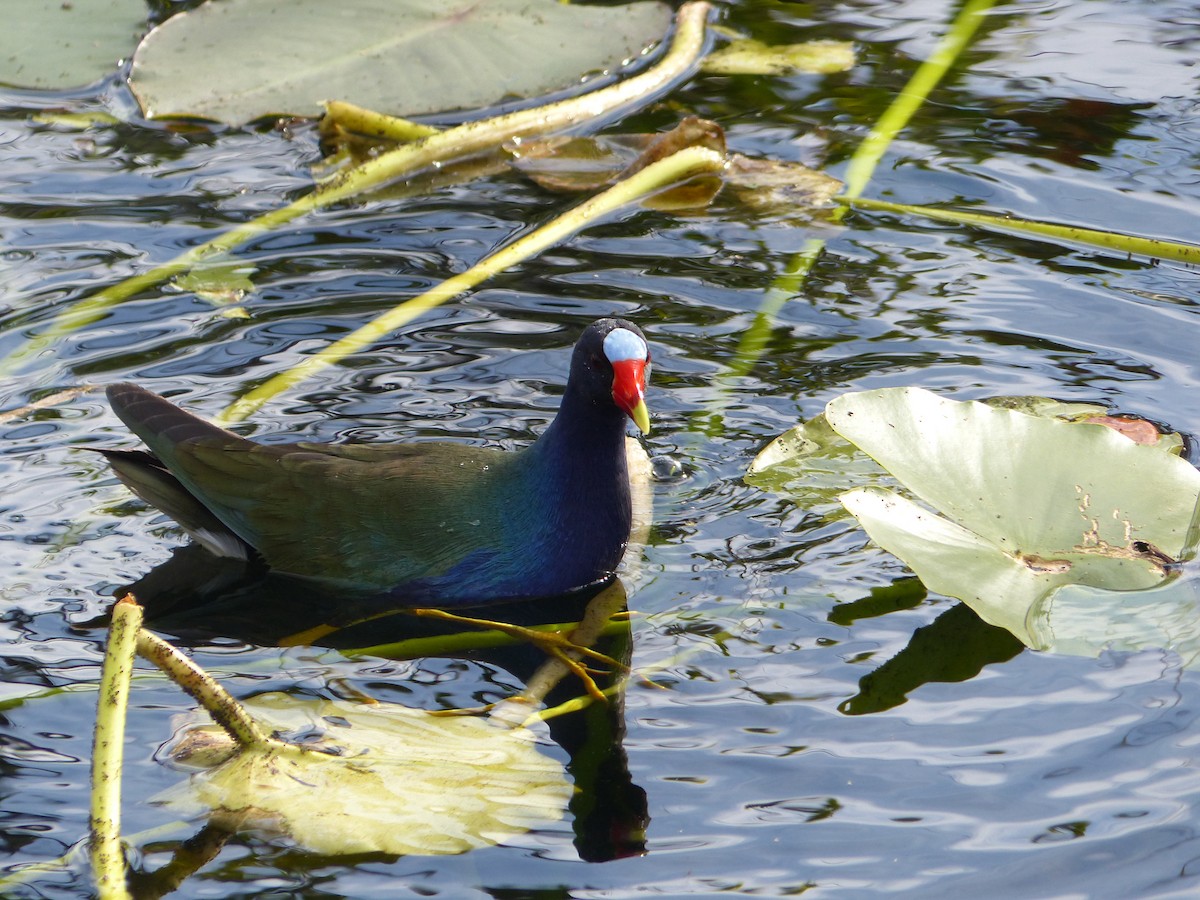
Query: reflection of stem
205, 689
104, 823
189, 857
679, 166
465, 641
686, 48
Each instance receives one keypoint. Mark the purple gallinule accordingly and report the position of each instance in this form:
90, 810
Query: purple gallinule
430, 524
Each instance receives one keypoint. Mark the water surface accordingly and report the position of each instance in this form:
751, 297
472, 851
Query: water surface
828, 726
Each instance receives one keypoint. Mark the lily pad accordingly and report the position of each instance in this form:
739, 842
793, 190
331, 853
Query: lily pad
814, 464
240, 60
380, 779
1024, 506
50, 45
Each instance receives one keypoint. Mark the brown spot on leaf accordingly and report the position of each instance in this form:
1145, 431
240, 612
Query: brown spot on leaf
1137, 430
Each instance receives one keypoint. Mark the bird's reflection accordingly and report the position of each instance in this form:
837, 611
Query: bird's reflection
194, 597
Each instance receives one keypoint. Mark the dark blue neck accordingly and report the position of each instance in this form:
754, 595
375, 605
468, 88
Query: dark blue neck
583, 478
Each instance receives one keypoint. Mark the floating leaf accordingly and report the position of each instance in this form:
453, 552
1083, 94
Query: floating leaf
381, 779
51, 44
1029, 505
813, 463
240, 60
747, 57
74, 121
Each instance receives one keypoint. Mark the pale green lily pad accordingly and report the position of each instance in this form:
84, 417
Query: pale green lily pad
1026, 483
403, 781
813, 463
240, 60
49, 44
1030, 506
749, 57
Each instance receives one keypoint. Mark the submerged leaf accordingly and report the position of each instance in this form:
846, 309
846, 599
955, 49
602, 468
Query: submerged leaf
747, 57
763, 186
588, 164
780, 188
221, 283
814, 465
1001, 586
1082, 620
49, 44
382, 779
240, 60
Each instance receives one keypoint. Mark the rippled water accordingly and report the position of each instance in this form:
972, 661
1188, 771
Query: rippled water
827, 726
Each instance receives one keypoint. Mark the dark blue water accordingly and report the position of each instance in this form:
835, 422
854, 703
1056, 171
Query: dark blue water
828, 727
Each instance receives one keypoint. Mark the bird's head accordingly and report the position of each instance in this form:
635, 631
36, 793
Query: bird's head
612, 360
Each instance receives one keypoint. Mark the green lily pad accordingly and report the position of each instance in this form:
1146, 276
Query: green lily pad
50, 45
240, 60
382, 779
1024, 507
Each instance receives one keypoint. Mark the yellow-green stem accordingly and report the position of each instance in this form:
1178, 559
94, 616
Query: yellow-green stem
1157, 248
679, 166
861, 167
374, 124
104, 822
205, 689
687, 46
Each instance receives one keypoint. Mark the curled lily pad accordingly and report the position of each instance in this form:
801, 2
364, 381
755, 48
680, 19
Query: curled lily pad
1024, 507
813, 463
379, 779
1027, 483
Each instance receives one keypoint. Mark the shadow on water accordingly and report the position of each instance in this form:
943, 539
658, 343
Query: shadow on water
953, 647
196, 598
